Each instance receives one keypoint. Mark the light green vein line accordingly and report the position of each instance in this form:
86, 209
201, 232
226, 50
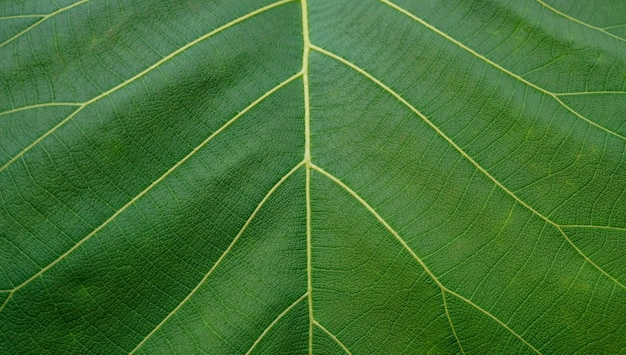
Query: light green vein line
157, 181
144, 72
44, 18
6, 301
614, 26
50, 104
276, 320
41, 138
445, 306
221, 258
417, 258
307, 160
588, 226
309, 251
305, 79
465, 155
589, 93
21, 16
578, 21
333, 337
504, 325
501, 68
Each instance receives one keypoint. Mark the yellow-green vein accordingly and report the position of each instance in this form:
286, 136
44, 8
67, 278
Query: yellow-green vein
43, 18
333, 337
589, 93
306, 44
590, 226
445, 306
573, 19
466, 156
278, 318
141, 74
22, 16
499, 67
153, 184
221, 258
49, 104
397, 236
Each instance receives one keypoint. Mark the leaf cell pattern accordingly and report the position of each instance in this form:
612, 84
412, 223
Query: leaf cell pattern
313, 177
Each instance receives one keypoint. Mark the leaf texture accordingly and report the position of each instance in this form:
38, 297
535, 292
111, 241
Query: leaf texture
313, 177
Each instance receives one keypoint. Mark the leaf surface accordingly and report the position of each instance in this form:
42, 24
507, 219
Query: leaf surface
380, 176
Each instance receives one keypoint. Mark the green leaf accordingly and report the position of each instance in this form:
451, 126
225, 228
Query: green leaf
376, 176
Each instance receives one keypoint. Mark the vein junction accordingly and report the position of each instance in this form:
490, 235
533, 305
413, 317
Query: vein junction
499, 67
306, 44
309, 166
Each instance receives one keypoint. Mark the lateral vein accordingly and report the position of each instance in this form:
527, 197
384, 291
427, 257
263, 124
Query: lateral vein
397, 236
43, 18
573, 19
499, 67
49, 104
221, 258
589, 93
144, 72
445, 306
591, 226
466, 156
333, 337
157, 181
276, 320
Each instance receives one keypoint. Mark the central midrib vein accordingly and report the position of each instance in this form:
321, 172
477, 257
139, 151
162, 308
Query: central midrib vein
307, 162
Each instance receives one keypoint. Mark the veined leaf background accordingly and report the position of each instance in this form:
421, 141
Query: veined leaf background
321, 177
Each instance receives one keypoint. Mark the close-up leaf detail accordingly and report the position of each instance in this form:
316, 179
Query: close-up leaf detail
313, 177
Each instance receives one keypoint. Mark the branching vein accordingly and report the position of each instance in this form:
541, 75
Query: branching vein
501, 68
443, 288
43, 19
445, 305
156, 182
221, 258
278, 318
466, 156
141, 74
589, 93
591, 226
333, 337
6, 301
579, 21
50, 104
21, 16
